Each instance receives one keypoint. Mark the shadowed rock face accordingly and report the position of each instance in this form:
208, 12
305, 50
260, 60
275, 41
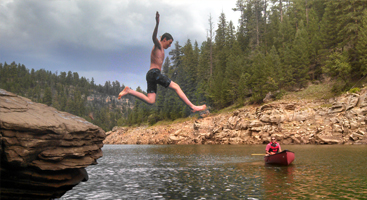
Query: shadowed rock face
43, 151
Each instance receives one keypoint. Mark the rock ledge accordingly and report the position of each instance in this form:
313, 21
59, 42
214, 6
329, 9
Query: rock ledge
43, 151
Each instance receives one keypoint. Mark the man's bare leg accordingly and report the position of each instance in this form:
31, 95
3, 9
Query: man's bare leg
182, 95
149, 99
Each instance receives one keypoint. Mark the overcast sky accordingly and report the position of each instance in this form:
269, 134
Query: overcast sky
105, 39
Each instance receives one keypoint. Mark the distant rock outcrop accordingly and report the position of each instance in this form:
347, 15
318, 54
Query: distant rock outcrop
43, 151
339, 120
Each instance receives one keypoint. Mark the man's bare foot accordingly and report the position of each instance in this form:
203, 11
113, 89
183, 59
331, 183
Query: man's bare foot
199, 108
124, 92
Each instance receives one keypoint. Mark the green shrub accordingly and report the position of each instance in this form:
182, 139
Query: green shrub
354, 90
339, 87
279, 94
152, 119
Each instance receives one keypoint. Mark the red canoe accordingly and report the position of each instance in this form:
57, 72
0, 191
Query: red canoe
283, 158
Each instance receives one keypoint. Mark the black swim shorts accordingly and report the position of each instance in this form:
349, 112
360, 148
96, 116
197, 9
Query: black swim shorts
155, 77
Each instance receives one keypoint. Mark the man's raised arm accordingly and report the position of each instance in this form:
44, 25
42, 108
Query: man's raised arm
154, 37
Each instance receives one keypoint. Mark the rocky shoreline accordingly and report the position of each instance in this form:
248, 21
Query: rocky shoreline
340, 120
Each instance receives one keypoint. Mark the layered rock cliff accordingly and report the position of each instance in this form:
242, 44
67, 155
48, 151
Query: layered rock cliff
44, 152
340, 120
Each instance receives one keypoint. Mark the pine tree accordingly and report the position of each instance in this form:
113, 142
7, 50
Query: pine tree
273, 27
176, 72
275, 75
242, 34
255, 22
244, 88
315, 45
176, 54
69, 78
203, 72
233, 68
337, 65
341, 24
187, 73
350, 17
258, 76
362, 44
300, 56
47, 98
286, 34
220, 42
216, 91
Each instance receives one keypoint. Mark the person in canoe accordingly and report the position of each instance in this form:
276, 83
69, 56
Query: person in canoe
273, 147
154, 75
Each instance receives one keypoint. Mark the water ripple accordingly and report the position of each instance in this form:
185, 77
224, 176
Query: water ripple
220, 172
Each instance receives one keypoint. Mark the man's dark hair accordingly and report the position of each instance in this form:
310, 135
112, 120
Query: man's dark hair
167, 35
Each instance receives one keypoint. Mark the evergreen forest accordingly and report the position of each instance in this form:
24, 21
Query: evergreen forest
278, 46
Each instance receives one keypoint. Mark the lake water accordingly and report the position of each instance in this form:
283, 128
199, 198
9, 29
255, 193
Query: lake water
224, 172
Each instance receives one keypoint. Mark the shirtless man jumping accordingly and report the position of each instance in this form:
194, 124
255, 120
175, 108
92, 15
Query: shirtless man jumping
154, 75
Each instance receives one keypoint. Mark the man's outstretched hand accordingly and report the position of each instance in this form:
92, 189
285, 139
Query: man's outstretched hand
157, 17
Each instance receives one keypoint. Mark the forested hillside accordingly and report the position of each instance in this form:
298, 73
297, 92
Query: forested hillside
67, 92
279, 45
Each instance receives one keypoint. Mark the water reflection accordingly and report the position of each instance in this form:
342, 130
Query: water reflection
278, 181
223, 172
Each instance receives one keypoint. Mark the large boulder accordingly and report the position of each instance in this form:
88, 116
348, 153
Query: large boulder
329, 139
44, 152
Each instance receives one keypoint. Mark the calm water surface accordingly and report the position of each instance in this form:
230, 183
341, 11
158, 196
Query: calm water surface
224, 172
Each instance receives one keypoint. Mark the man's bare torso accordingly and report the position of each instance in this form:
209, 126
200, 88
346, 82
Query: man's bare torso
156, 58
